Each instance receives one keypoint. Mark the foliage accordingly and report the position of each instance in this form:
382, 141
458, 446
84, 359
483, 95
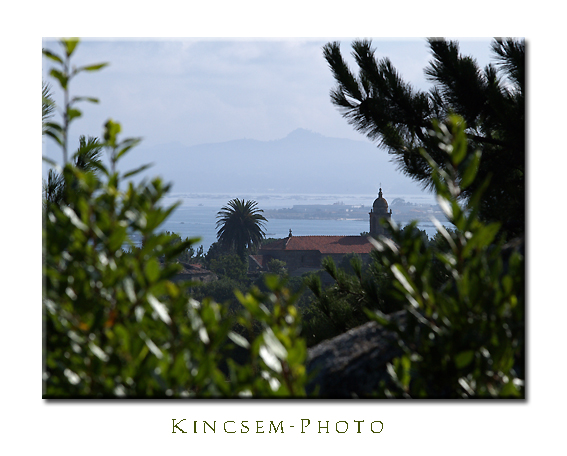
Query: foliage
231, 276
278, 267
347, 261
215, 251
115, 324
222, 291
440, 245
380, 104
229, 265
88, 155
296, 286
268, 241
64, 73
279, 352
188, 255
240, 225
464, 337
341, 306
87, 158
47, 105
412, 227
53, 189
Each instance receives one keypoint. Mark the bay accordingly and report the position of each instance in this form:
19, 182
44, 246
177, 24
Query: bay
196, 214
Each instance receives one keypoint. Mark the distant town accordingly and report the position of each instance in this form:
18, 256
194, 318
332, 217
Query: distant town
402, 212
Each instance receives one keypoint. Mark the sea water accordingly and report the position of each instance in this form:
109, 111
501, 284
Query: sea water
196, 215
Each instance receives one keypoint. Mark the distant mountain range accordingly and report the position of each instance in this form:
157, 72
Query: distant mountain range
302, 162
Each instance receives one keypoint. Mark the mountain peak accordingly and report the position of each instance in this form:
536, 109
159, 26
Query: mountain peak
302, 133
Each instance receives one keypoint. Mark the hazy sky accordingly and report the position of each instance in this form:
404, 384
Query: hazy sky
195, 91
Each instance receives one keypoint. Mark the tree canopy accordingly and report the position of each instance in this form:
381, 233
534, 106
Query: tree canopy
380, 104
240, 225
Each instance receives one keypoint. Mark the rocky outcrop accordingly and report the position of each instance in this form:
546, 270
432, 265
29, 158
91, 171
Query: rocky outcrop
353, 364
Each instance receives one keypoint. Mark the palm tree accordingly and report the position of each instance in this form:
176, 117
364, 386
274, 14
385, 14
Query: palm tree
87, 158
53, 189
47, 106
240, 225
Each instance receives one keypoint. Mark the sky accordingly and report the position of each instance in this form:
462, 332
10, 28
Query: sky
196, 91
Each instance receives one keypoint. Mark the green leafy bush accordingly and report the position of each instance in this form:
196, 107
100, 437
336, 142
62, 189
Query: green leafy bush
462, 336
115, 324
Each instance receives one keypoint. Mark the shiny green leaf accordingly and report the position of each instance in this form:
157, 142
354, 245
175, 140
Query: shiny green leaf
160, 309
92, 67
90, 99
111, 130
464, 358
70, 44
52, 56
273, 344
471, 170
73, 113
138, 170
61, 77
152, 270
238, 339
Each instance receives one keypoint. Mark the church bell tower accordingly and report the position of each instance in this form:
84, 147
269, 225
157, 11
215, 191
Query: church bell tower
379, 211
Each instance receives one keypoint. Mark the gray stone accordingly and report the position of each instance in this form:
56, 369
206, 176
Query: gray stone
353, 364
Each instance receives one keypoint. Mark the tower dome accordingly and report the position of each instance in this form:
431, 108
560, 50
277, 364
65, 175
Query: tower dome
380, 204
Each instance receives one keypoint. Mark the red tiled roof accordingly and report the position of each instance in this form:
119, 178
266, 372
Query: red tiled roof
194, 268
324, 244
260, 260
